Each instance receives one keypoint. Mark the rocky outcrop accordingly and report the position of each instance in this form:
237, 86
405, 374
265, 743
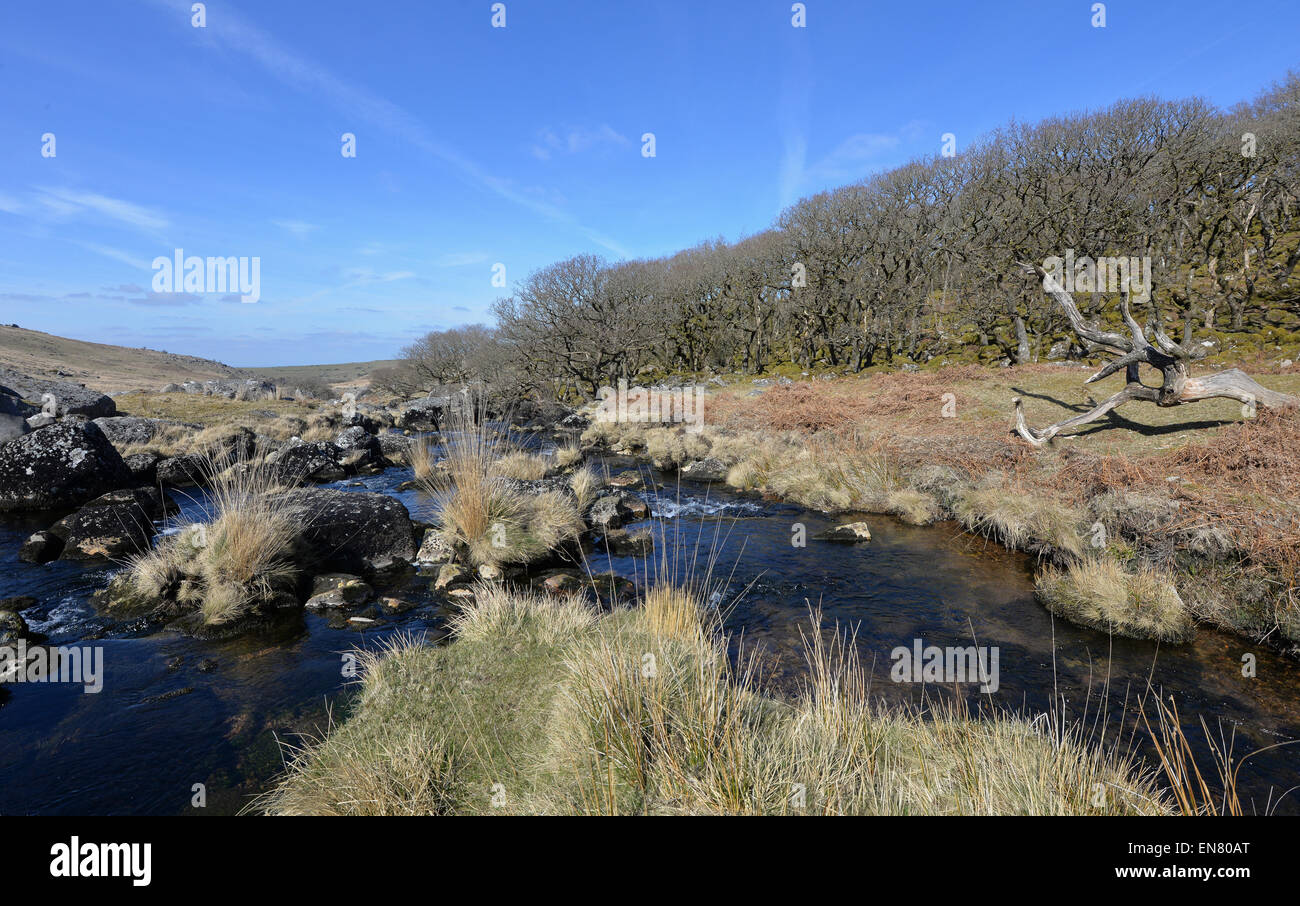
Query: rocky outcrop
184, 471
306, 462
124, 430
424, 414
59, 467
113, 526
353, 532
708, 469
230, 389
61, 397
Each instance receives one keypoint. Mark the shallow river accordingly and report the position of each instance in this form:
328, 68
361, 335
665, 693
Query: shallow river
175, 712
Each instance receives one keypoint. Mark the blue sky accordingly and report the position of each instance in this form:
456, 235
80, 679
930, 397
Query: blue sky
518, 145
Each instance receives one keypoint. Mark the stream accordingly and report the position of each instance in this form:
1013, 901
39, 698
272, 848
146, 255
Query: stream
175, 712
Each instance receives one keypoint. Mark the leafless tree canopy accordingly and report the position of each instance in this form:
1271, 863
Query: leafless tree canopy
930, 259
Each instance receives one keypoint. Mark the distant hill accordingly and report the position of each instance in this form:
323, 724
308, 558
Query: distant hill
111, 369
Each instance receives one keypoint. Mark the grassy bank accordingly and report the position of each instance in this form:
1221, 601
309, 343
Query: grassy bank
543, 705
1199, 496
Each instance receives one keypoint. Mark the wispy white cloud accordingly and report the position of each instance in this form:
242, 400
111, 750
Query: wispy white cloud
363, 276
575, 140
69, 203
116, 254
852, 159
298, 228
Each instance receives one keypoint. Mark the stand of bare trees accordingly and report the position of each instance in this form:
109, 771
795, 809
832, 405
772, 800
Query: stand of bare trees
930, 260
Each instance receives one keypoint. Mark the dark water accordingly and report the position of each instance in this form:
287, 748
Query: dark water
175, 712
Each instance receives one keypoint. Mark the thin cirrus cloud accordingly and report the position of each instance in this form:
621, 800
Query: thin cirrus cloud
300, 229
116, 254
852, 159
234, 32
576, 140
69, 204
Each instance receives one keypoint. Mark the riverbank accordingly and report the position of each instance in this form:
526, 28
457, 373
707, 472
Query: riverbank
1190, 512
544, 705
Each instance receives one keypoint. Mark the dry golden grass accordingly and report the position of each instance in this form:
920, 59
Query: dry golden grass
235, 554
566, 711
568, 455
586, 484
1100, 594
520, 465
422, 456
884, 443
480, 511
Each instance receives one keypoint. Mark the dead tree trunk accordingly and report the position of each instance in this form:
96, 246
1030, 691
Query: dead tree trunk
1169, 358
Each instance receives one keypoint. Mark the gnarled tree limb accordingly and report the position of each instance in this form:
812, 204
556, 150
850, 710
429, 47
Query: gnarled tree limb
1168, 357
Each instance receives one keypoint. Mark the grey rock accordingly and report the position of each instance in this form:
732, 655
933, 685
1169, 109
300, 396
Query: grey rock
451, 574
708, 469
622, 543
116, 525
59, 467
13, 627
849, 533
305, 462
425, 414
14, 412
41, 547
435, 549
608, 512
338, 590
67, 398
122, 430
184, 471
349, 531
144, 467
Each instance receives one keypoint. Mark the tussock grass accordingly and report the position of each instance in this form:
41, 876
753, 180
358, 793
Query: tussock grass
521, 465
1022, 520
235, 554
1098, 593
422, 457
545, 706
568, 455
586, 484
482, 512
672, 448
499, 613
